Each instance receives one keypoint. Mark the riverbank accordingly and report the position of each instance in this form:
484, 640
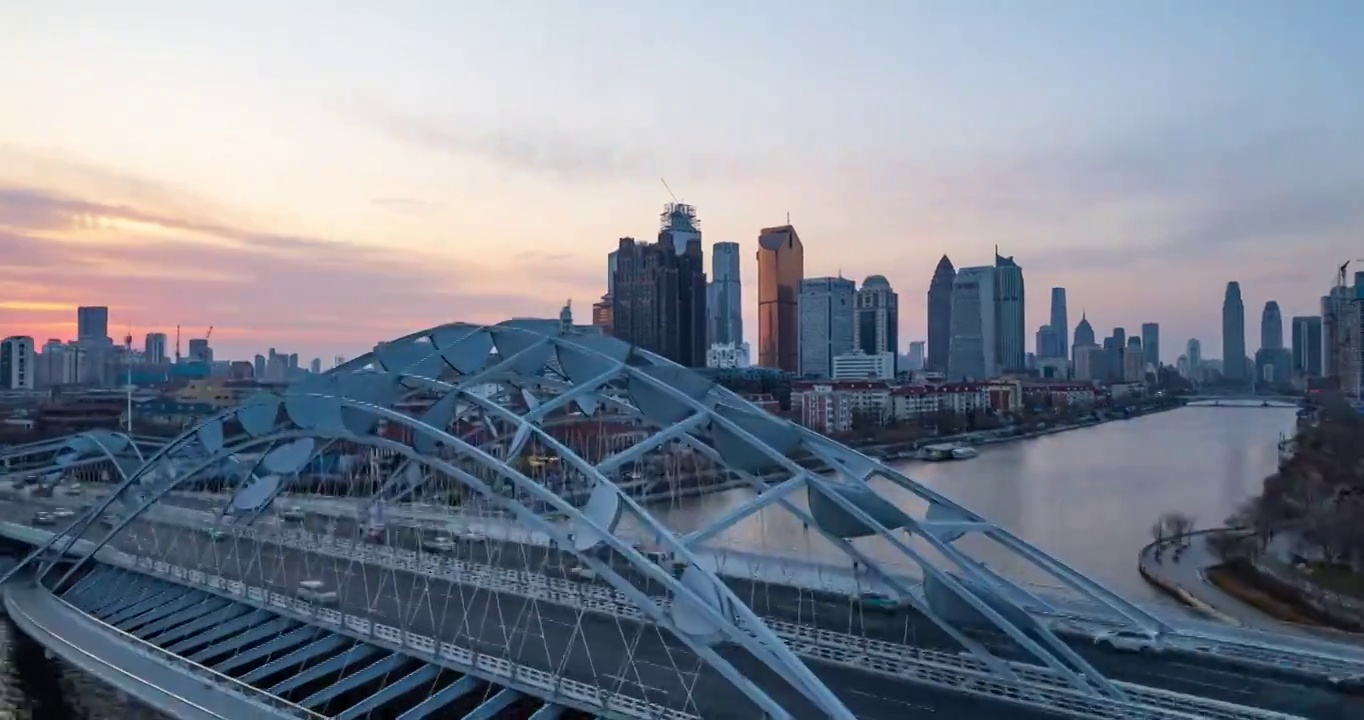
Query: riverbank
909, 449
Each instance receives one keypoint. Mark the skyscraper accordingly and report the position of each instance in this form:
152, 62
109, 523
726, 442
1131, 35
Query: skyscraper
1194, 352
1047, 344
1060, 325
1307, 345
1010, 332
1084, 332
878, 318
92, 324
940, 315
826, 323
724, 302
1271, 327
1150, 344
1234, 334
781, 267
973, 343
154, 348
660, 301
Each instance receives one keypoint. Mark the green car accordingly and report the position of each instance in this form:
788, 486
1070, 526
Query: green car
879, 601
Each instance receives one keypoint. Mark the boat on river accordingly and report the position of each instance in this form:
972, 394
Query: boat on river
942, 453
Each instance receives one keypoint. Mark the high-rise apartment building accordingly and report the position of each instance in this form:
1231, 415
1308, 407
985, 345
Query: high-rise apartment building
660, 296
940, 315
1010, 316
1150, 344
917, 356
972, 342
92, 324
724, 301
154, 348
17, 363
1133, 361
1060, 324
877, 329
781, 267
1307, 345
826, 323
1233, 334
199, 351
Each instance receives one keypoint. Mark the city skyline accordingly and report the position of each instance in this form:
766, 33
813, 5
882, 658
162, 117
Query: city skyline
388, 204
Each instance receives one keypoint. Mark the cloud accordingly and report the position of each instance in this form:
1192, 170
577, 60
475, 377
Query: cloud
156, 270
559, 154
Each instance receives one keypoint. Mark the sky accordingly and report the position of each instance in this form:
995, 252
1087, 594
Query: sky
318, 176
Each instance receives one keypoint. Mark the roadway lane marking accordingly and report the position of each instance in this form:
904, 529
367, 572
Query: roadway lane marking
895, 701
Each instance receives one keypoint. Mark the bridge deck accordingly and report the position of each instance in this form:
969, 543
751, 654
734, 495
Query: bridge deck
322, 670
82, 642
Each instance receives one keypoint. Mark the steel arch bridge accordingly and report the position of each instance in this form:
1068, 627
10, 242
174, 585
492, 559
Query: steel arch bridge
528, 547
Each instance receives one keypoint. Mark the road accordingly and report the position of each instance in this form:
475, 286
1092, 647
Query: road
536, 632
632, 658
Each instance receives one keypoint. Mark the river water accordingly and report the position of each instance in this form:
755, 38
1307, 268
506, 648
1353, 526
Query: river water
1086, 496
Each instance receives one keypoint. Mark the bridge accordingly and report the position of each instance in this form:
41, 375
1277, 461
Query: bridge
1244, 398
440, 529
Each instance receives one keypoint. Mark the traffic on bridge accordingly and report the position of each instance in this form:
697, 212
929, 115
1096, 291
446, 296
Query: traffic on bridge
442, 529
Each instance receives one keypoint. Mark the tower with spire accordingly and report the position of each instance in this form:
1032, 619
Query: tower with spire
940, 315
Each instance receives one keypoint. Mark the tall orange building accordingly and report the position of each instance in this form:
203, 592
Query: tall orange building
781, 267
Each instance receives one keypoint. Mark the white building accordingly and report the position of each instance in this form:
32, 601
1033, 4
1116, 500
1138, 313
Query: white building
862, 366
727, 355
17, 363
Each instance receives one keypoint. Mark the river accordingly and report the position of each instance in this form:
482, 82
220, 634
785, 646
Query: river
1087, 496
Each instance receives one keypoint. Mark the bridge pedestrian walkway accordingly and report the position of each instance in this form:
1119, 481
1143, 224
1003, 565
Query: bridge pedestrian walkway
326, 673
82, 642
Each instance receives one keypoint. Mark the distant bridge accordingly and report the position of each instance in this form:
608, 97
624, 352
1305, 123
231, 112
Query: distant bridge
1242, 400
410, 598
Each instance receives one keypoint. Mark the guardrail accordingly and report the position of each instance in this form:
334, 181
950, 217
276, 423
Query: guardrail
961, 672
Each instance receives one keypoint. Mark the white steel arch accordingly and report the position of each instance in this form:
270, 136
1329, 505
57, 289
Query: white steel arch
518, 380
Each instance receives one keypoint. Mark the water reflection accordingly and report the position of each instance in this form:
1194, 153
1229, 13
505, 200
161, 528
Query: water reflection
1088, 497
35, 687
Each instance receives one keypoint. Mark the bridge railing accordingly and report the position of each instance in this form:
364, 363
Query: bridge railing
500, 668
959, 671
182, 664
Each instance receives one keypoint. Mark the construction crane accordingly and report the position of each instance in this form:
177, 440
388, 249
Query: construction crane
208, 335
177, 344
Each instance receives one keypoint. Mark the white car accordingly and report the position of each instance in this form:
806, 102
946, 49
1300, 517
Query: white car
314, 591
440, 543
217, 535
294, 513
582, 573
61, 513
1136, 641
472, 536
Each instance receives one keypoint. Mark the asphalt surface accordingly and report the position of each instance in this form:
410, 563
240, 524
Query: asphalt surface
543, 635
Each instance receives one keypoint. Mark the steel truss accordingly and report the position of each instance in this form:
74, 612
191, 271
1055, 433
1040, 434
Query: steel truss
497, 392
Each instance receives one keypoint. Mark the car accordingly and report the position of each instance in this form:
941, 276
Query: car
375, 534
582, 573
1135, 641
62, 513
217, 535
316, 592
110, 520
294, 513
472, 536
439, 543
881, 601
43, 518
74, 489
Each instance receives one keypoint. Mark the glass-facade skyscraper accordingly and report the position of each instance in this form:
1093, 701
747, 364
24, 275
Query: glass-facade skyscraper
1234, 334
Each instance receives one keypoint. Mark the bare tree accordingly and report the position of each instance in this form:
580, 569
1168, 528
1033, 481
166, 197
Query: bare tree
1158, 532
1177, 525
